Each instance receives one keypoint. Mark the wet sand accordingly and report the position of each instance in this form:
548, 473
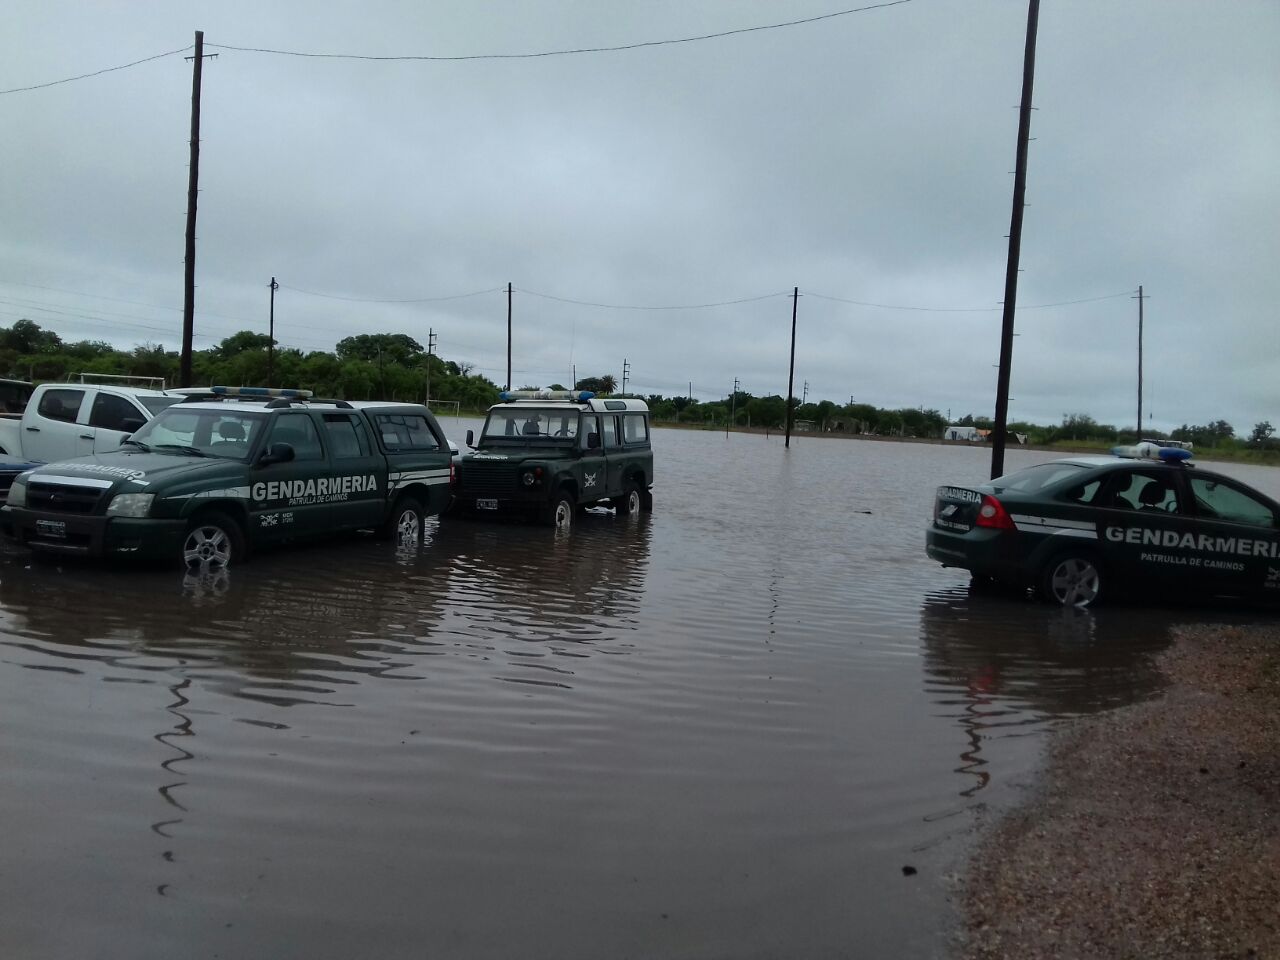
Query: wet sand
1155, 831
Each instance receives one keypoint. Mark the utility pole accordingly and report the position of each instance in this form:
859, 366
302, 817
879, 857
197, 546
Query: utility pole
271, 332
733, 407
193, 190
999, 428
1138, 438
791, 373
805, 396
431, 347
508, 336
626, 369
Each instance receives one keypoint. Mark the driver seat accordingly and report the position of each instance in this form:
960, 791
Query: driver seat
1152, 496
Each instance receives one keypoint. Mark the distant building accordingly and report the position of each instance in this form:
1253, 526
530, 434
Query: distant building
957, 432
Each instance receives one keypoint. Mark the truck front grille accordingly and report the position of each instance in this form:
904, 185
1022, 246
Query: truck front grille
484, 479
55, 498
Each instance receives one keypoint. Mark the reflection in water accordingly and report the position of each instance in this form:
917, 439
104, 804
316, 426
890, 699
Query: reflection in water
1004, 667
182, 728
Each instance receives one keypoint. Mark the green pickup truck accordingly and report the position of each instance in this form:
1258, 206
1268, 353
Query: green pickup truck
544, 455
218, 474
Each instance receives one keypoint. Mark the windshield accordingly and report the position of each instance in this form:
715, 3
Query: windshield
229, 433
156, 404
1037, 478
532, 424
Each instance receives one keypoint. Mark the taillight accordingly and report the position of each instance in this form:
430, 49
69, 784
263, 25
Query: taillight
993, 514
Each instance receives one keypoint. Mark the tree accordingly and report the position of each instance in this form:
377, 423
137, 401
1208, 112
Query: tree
372, 347
27, 336
608, 384
1261, 433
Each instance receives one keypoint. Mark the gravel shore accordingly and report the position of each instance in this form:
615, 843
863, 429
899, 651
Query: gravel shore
1155, 831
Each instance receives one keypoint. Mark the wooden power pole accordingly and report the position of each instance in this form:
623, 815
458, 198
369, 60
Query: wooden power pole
1138, 438
791, 373
509, 336
1000, 427
193, 190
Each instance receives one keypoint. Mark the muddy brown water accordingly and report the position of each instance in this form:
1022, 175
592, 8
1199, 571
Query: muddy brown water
722, 730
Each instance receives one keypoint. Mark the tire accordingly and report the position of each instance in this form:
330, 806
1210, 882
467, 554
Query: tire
559, 510
1074, 579
212, 540
629, 503
406, 522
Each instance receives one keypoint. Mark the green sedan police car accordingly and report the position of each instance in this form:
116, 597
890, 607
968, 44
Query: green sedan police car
1082, 528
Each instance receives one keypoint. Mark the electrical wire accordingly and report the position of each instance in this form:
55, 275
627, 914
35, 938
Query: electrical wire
96, 73
566, 52
1029, 306
332, 296
622, 306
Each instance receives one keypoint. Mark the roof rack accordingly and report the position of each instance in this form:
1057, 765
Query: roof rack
153, 383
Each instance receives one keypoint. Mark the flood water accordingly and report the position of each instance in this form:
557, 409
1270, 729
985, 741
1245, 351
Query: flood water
720, 730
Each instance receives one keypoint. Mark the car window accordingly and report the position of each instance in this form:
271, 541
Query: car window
61, 404
1223, 500
156, 404
406, 431
1083, 492
299, 431
115, 413
347, 436
1037, 478
611, 437
1140, 490
590, 425
635, 428
226, 433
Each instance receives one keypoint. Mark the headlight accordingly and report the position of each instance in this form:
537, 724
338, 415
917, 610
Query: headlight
528, 479
130, 505
18, 493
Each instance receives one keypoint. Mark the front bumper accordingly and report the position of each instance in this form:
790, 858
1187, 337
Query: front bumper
92, 536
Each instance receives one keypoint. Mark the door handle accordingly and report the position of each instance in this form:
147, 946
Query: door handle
86, 436
34, 429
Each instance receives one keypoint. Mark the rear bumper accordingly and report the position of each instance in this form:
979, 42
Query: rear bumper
988, 553
92, 536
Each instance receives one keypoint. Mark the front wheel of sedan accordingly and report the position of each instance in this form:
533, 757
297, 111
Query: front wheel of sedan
1072, 580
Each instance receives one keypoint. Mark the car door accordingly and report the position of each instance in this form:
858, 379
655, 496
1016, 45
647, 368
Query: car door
359, 472
112, 417
1145, 523
611, 448
1238, 532
52, 431
417, 456
295, 501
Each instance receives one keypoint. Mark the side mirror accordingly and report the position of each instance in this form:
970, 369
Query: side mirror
471, 438
593, 441
276, 453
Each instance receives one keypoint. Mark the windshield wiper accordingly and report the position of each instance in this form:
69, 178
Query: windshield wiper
136, 443
193, 451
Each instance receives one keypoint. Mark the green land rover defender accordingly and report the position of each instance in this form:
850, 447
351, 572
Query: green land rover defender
544, 455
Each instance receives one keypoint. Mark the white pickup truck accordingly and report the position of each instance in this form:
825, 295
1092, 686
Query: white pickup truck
65, 420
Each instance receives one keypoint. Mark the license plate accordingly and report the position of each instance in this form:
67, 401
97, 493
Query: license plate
486, 504
52, 528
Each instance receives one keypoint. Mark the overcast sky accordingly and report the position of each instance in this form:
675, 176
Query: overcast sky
865, 158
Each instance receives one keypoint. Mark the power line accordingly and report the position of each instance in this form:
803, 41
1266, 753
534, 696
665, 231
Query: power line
333, 296
96, 73
567, 52
622, 306
1029, 306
